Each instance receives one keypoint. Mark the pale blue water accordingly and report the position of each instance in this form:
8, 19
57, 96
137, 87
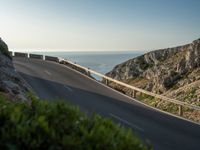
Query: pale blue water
101, 62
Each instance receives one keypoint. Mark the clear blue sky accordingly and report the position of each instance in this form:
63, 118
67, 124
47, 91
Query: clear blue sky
98, 24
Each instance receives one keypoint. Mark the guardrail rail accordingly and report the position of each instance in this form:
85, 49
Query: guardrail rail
135, 89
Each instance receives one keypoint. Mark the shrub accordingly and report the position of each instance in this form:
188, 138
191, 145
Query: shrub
58, 125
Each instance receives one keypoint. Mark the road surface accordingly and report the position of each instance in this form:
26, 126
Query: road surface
55, 81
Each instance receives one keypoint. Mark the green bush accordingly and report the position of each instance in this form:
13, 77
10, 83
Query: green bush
58, 125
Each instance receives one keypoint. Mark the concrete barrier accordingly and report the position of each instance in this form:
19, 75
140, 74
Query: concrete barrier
17, 54
51, 58
35, 56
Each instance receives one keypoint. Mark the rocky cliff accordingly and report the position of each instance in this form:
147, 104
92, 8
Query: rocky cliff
174, 72
11, 83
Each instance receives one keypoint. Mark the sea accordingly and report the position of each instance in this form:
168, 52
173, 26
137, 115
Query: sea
100, 61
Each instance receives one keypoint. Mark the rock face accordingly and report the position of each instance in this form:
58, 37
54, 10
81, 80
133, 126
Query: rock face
11, 82
162, 71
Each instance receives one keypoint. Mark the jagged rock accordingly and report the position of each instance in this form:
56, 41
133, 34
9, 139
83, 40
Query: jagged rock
162, 69
10, 81
173, 72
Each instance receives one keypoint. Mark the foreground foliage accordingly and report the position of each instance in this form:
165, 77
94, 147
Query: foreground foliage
57, 125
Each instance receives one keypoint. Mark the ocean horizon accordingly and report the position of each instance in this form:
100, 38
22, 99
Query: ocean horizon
100, 61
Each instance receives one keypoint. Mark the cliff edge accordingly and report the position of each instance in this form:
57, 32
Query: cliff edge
174, 72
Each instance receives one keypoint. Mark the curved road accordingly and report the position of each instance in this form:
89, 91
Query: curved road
55, 81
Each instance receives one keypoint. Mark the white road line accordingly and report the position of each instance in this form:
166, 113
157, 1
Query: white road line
68, 88
47, 72
126, 122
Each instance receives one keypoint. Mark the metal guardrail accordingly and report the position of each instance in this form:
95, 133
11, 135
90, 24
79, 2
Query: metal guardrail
135, 89
88, 72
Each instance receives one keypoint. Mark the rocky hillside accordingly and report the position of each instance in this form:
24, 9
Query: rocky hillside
11, 83
174, 72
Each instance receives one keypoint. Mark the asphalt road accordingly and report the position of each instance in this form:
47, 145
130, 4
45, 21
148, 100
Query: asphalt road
55, 81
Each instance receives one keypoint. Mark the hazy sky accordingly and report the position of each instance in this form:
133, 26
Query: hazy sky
98, 24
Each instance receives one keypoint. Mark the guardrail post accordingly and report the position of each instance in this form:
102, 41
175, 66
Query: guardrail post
88, 72
134, 94
180, 110
106, 81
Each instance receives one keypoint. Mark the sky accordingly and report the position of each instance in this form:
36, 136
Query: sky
98, 25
